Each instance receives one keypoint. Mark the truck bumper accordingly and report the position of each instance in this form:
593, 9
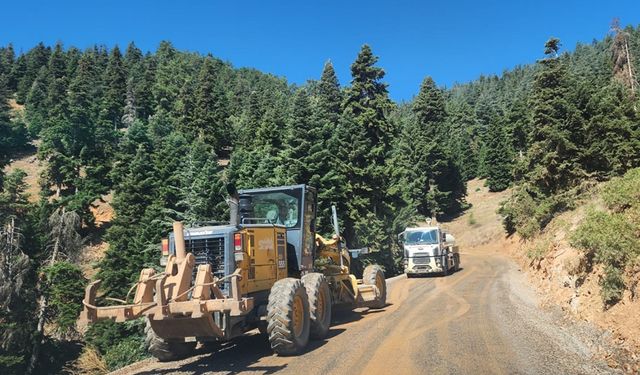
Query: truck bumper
424, 265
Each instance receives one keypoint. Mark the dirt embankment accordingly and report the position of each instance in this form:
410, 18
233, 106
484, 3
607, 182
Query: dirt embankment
557, 270
560, 273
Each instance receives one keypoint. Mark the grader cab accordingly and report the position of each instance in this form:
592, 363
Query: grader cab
266, 269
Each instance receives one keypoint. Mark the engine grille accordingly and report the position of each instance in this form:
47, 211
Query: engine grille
208, 251
421, 260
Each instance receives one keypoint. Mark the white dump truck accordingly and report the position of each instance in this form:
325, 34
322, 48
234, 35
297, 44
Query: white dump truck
429, 250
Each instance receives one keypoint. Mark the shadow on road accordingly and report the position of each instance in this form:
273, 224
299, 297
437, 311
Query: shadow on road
239, 355
435, 275
245, 353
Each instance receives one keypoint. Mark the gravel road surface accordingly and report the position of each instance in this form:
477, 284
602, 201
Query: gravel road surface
483, 319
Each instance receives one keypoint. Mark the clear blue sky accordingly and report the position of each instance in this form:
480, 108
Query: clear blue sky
453, 41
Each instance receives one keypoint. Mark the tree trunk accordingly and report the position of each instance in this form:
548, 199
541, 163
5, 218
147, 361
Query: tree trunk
43, 302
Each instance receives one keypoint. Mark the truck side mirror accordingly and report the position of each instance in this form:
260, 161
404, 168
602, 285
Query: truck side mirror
401, 237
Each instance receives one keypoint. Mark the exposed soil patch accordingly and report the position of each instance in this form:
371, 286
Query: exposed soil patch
15, 106
28, 162
102, 210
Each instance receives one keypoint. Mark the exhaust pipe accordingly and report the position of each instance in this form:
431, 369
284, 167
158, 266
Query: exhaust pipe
178, 233
234, 215
233, 202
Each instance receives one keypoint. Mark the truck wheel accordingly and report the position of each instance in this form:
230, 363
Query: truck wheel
456, 262
166, 351
319, 304
445, 265
373, 275
288, 317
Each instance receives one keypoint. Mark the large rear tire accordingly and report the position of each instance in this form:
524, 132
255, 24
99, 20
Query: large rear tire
319, 296
456, 262
166, 351
288, 317
373, 275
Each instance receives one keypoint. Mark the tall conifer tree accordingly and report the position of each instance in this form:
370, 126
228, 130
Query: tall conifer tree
365, 144
552, 162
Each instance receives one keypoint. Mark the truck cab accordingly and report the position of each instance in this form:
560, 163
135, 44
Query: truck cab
429, 250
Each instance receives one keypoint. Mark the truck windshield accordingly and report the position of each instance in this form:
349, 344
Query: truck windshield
429, 236
278, 207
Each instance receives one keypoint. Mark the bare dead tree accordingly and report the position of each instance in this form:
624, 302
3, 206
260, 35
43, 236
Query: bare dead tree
65, 242
14, 268
623, 68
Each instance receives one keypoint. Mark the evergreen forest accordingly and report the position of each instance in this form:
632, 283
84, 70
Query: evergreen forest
160, 134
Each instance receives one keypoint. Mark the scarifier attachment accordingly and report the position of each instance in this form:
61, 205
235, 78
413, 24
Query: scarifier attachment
175, 308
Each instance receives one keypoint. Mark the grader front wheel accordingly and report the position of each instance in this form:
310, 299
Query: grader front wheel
288, 317
373, 275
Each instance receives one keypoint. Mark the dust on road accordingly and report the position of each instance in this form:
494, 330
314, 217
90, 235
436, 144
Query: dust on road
483, 319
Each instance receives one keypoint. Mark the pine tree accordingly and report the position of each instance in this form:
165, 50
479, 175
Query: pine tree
210, 113
486, 111
37, 113
552, 161
28, 68
365, 144
6, 141
518, 126
72, 58
612, 133
133, 65
126, 254
202, 196
13, 135
498, 158
302, 135
68, 135
115, 88
461, 141
429, 180
325, 149
58, 83
7, 61
93, 136
329, 95
169, 78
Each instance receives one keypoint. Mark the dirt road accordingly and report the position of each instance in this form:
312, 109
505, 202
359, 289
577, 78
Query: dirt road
483, 319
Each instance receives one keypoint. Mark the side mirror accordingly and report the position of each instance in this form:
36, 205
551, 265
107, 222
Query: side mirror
401, 237
355, 253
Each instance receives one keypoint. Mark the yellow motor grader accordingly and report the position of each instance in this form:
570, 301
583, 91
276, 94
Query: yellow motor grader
266, 269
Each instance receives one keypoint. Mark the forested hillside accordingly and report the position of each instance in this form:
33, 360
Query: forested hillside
156, 130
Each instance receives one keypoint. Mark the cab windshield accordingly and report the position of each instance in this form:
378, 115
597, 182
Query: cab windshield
278, 207
422, 237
